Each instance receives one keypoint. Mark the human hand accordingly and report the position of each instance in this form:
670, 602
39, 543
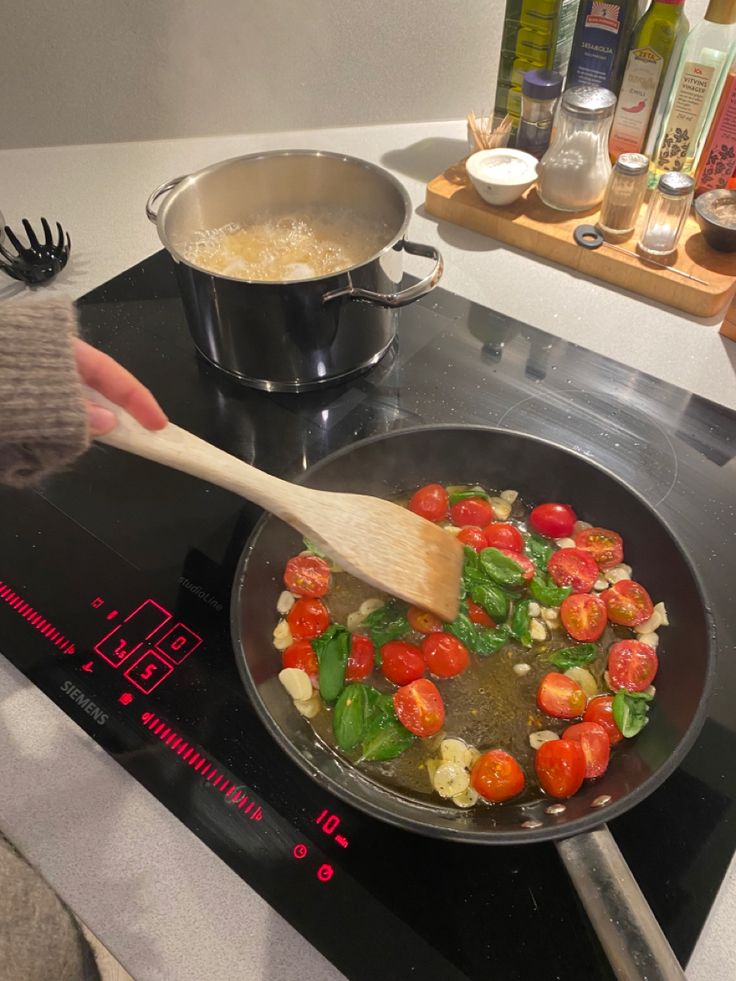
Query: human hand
106, 376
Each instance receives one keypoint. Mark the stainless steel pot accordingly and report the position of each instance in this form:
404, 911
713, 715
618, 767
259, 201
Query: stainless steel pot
297, 335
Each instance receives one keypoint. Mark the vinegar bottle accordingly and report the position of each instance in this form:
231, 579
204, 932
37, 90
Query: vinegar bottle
718, 160
697, 85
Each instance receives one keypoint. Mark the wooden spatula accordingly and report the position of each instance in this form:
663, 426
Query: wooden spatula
381, 543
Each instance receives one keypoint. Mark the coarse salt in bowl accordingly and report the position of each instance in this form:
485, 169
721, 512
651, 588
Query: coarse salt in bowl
501, 175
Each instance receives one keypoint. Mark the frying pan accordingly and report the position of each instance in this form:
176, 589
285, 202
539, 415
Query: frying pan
398, 463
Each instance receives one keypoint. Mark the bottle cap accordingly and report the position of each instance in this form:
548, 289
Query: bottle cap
588, 101
632, 164
541, 83
675, 184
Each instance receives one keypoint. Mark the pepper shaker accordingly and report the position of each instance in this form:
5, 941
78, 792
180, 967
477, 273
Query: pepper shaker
625, 192
668, 209
540, 89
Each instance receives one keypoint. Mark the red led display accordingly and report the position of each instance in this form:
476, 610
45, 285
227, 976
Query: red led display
329, 824
148, 671
178, 643
25, 610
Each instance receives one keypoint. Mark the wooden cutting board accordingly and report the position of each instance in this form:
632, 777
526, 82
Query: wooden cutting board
531, 226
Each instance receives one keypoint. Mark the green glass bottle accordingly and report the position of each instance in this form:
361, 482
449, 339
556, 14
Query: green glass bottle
652, 45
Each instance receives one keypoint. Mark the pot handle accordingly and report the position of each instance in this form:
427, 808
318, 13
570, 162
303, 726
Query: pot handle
400, 299
622, 918
159, 192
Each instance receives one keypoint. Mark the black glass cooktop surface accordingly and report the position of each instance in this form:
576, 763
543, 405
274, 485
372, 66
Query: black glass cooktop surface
115, 583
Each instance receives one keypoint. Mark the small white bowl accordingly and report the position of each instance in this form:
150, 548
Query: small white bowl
501, 175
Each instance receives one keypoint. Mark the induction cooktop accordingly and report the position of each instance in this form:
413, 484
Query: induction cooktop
115, 583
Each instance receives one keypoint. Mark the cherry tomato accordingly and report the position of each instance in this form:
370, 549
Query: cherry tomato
471, 511
593, 739
474, 537
478, 615
497, 776
307, 575
401, 662
600, 710
499, 534
573, 567
631, 665
560, 696
301, 654
627, 603
584, 616
361, 658
423, 621
308, 618
431, 502
560, 766
527, 566
445, 655
553, 520
606, 547
419, 707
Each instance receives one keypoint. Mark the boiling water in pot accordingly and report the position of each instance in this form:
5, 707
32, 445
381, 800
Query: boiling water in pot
317, 242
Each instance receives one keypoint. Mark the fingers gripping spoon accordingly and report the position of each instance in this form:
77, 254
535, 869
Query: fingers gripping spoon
381, 543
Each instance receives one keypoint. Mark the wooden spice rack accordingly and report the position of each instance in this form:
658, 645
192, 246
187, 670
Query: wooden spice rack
531, 226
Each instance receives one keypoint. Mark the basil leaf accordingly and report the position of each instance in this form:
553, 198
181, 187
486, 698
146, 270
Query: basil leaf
538, 549
491, 639
385, 624
500, 568
314, 549
493, 600
631, 711
385, 738
468, 495
332, 649
350, 716
519, 625
463, 628
573, 657
544, 590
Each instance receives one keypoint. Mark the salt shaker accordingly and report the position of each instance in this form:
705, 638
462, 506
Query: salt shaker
575, 170
540, 89
668, 209
625, 192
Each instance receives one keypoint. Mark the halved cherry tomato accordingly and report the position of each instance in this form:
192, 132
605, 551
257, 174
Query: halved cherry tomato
478, 615
573, 567
527, 566
423, 621
401, 662
307, 575
497, 776
499, 534
560, 766
631, 665
471, 511
627, 603
560, 696
593, 739
606, 547
600, 710
473, 536
445, 655
553, 520
584, 616
419, 707
301, 654
308, 618
431, 502
361, 658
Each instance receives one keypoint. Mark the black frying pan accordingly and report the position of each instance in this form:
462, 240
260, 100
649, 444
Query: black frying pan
392, 465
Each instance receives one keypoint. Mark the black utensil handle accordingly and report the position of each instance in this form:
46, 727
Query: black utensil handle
621, 916
588, 236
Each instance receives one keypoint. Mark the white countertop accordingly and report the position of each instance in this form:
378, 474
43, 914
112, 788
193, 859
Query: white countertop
67, 805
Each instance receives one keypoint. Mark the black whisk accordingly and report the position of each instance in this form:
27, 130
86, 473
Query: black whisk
38, 262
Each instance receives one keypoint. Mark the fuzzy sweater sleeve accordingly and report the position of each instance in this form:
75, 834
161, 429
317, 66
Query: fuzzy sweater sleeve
43, 424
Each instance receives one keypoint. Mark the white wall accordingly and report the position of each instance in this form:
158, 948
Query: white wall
89, 71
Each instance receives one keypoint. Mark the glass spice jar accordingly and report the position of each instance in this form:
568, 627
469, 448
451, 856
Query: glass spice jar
540, 89
575, 170
625, 192
668, 209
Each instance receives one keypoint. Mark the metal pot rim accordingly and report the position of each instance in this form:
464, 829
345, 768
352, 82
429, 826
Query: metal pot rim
175, 187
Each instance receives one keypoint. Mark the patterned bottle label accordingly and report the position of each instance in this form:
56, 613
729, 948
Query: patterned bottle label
686, 117
718, 161
636, 101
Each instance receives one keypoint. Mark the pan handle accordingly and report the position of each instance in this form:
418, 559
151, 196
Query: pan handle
400, 299
622, 918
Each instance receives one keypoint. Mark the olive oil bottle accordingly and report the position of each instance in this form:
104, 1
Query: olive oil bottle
652, 45
697, 86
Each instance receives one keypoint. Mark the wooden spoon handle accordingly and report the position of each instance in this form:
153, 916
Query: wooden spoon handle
182, 450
